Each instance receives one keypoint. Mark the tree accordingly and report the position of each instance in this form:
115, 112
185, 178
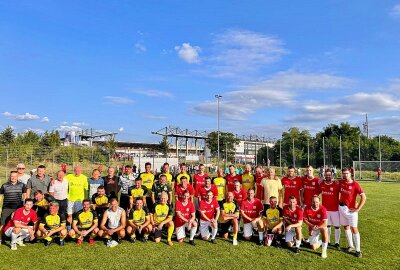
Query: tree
164, 146
7, 137
111, 145
227, 144
51, 139
27, 138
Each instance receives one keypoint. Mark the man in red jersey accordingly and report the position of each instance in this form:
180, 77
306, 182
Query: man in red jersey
199, 178
185, 216
316, 218
231, 177
239, 193
292, 185
209, 211
310, 187
182, 187
202, 192
330, 200
349, 208
251, 212
293, 216
259, 176
18, 227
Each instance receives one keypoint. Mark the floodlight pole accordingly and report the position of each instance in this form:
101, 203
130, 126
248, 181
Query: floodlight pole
218, 97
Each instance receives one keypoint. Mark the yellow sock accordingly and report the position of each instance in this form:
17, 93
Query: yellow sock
234, 236
48, 238
93, 236
107, 236
170, 232
133, 235
146, 234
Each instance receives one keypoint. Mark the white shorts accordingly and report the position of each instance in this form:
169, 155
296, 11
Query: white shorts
24, 232
181, 231
314, 237
248, 229
347, 217
290, 235
74, 207
205, 228
333, 218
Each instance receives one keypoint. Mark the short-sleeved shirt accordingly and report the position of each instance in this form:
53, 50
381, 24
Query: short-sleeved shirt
42, 206
310, 188
251, 209
229, 208
60, 189
35, 184
208, 208
51, 222
179, 190
161, 213
12, 194
85, 219
125, 182
202, 193
138, 192
259, 187
24, 178
199, 180
169, 176
94, 184
273, 216
178, 178
315, 217
230, 181
247, 181
293, 216
330, 195
291, 187
271, 188
147, 180
138, 217
185, 210
158, 188
349, 192
101, 203
77, 185
240, 196
111, 185
22, 218
220, 184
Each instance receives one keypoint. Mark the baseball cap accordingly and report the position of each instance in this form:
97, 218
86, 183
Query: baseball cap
20, 166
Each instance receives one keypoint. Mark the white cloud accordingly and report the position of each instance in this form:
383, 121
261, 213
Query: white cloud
65, 128
8, 114
35, 130
26, 117
118, 100
121, 129
154, 93
45, 119
140, 47
395, 11
188, 53
155, 117
79, 124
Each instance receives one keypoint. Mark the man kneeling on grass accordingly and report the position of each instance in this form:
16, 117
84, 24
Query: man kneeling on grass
162, 216
84, 225
53, 225
185, 215
112, 227
139, 221
293, 216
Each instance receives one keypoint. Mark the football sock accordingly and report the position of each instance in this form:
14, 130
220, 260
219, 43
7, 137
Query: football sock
329, 234
337, 236
357, 241
192, 232
234, 236
261, 236
298, 243
170, 232
14, 238
349, 238
213, 233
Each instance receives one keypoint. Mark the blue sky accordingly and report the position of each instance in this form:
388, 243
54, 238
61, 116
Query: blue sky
137, 66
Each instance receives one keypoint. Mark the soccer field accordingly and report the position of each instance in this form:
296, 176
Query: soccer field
379, 243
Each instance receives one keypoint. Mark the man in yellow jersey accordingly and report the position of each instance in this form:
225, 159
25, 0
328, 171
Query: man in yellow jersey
100, 202
77, 186
85, 224
220, 183
139, 221
247, 178
165, 171
148, 181
230, 217
52, 225
183, 173
137, 191
273, 223
162, 216
113, 224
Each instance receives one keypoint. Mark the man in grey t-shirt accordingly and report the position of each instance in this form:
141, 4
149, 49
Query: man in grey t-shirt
38, 182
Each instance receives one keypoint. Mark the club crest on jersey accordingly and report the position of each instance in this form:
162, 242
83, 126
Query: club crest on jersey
318, 216
295, 215
294, 182
350, 187
313, 183
254, 207
331, 188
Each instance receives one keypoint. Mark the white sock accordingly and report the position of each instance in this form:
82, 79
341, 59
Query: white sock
14, 238
329, 234
337, 236
192, 233
357, 241
261, 236
298, 243
349, 238
324, 246
213, 233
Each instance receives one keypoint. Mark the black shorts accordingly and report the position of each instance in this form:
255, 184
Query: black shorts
225, 226
158, 233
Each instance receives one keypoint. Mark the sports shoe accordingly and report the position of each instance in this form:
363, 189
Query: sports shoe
235, 242
113, 243
337, 246
47, 243
170, 243
213, 241
132, 239
145, 239
358, 254
21, 243
260, 242
278, 244
108, 243
324, 255
191, 242
79, 242
91, 242
13, 246
350, 250
296, 250
61, 243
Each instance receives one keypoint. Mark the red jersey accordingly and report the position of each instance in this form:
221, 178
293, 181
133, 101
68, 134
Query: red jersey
259, 187
240, 196
198, 180
202, 192
291, 187
310, 188
251, 209
185, 210
209, 208
330, 195
315, 217
349, 192
293, 216
179, 190
23, 218
230, 180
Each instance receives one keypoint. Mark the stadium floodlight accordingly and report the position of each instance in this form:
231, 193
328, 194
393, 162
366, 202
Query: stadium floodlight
218, 97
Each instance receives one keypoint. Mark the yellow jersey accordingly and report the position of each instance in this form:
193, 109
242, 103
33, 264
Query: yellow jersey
247, 181
161, 213
220, 183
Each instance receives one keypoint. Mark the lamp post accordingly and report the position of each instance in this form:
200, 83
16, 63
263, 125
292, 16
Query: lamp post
218, 97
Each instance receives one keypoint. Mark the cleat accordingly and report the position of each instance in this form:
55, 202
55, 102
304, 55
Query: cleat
350, 250
62, 242
132, 240
235, 242
213, 241
113, 243
79, 242
191, 242
145, 239
21, 243
337, 246
13, 246
170, 243
278, 244
296, 250
324, 255
47, 243
358, 254
91, 242
260, 243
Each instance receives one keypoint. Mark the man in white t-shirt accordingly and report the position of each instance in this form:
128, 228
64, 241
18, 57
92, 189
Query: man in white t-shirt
22, 176
59, 190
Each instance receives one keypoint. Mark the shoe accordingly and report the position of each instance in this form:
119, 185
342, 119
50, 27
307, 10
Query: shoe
296, 250
21, 243
358, 254
47, 243
119, 240
13, 246
213, 241
235, 242
170, 243
337, 246
260, 243
278, 244
113, 244
145, 239
132, 240
191, 242
79, 242
350, 250
324, 254
91, 242
62, 242
108, 243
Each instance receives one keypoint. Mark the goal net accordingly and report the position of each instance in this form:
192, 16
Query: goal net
369, 170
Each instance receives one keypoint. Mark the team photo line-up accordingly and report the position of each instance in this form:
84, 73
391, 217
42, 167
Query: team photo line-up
39, 208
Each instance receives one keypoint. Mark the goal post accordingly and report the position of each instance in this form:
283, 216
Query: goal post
369, 170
